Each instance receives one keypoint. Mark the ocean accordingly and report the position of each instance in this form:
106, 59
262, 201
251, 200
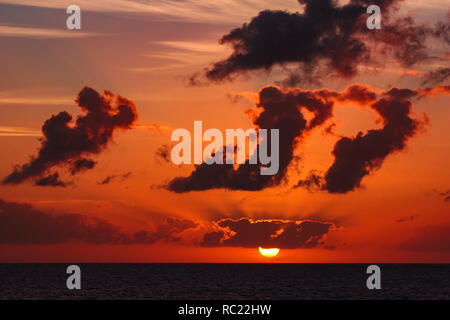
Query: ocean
195, 281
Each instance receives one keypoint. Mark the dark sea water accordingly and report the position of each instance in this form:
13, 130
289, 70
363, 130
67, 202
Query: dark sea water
224, 281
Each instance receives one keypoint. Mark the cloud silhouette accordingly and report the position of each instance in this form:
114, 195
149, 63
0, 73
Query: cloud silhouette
276, 109
444, 194
115, 177
68, 143
284, 234
358, 156
327, 35
354, 157
51, 180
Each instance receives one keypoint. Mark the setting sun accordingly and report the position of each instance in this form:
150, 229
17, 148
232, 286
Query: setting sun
269, 253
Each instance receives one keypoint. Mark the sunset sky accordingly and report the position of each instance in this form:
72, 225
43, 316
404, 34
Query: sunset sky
159, 56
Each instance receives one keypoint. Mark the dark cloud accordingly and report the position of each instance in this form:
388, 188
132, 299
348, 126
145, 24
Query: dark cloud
67, 143
330, 130
22, 224
163, 152
277, 109
51, 180
397, 93
358, 156
282, 234
82, 164
313, 182
120, 177
216, 176
357, 93
354, 157
325, 34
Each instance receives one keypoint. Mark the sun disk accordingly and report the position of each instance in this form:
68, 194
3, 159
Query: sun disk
269, 253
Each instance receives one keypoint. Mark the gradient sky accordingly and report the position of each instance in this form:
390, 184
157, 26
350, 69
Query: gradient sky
145, 51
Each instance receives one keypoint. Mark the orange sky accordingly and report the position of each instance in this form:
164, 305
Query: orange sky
397, 215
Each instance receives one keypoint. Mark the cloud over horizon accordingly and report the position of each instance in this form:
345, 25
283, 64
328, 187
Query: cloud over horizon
283, 234
20, 223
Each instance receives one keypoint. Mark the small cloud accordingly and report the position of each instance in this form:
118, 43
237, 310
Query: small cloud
4, 99
152, 127
163, 152
444, 194
406, 219
330, 130
51, 180
237, 97
112, 178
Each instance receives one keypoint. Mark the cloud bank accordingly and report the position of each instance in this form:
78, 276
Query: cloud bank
22, 224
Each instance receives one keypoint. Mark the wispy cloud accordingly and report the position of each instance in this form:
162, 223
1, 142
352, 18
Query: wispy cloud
196, 46
18, 132
187, 52
181, 54
37, 101
215, 12
218, 11
13, 31
152, 127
